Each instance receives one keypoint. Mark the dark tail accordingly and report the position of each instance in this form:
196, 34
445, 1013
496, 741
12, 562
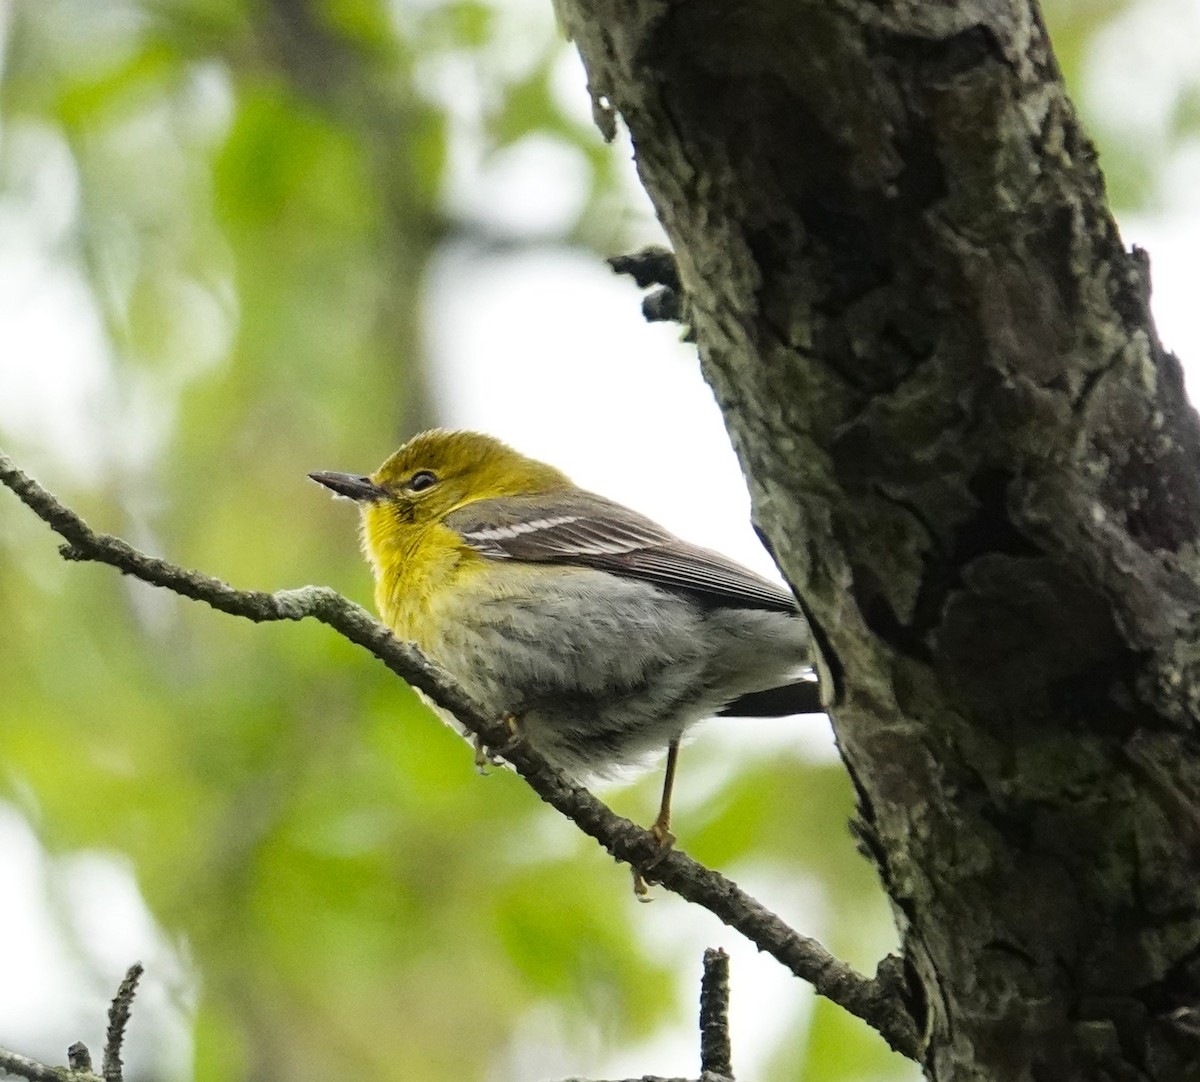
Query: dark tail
802, 697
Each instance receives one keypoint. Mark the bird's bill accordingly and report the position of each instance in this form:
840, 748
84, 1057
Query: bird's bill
353, 486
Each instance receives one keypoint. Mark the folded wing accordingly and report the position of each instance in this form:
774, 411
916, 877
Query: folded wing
589, 531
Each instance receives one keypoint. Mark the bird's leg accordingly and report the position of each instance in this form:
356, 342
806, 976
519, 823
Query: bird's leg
661, 827
485, 756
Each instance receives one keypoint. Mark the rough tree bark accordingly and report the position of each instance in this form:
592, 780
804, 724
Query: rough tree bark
974, 460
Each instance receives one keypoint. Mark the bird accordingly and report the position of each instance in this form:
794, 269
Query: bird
601, 636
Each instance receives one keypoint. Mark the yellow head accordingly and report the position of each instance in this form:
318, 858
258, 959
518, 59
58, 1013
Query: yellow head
405, 500
440, 470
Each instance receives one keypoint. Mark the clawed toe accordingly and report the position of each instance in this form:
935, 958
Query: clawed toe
666, 842
486, 756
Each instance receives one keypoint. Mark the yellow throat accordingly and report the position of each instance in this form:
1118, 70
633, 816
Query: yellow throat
419, 562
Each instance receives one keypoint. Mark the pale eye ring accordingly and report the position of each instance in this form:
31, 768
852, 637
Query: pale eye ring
421, 480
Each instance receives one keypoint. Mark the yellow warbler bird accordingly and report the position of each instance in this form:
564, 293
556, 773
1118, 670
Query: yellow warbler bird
601, 634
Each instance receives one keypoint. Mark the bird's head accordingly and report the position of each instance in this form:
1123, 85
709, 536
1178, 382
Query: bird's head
434, 474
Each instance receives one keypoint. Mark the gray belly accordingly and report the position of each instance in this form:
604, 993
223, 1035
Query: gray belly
598, 677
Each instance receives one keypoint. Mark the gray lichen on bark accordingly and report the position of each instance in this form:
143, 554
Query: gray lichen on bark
972, 456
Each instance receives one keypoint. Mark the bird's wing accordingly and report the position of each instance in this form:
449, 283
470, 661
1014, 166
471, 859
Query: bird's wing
587, 530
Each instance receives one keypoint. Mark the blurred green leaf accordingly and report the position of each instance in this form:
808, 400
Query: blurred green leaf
843, 1049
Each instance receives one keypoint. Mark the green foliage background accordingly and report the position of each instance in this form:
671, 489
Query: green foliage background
256, 190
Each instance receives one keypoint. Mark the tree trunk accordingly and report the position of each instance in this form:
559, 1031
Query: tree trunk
975, 462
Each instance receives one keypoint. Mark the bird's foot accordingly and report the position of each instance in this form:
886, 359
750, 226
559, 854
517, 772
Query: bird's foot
483, 757
494, 756
642, 882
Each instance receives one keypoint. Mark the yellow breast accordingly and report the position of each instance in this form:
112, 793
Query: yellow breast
420, 574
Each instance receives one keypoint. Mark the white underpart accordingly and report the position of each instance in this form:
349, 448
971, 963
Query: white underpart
604, 670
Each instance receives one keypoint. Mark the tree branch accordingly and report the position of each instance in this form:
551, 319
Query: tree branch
118, 1019
716, 1052
874, 1002
715, 1056
79, 1059
23, 1067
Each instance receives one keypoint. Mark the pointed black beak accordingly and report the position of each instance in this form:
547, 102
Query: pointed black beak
353, 486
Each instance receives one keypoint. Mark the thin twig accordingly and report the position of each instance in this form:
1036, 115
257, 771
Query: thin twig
874, 1003
118, 1019
716, 1051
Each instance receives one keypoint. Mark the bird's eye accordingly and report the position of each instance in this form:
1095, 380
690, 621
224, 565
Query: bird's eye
421, 480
